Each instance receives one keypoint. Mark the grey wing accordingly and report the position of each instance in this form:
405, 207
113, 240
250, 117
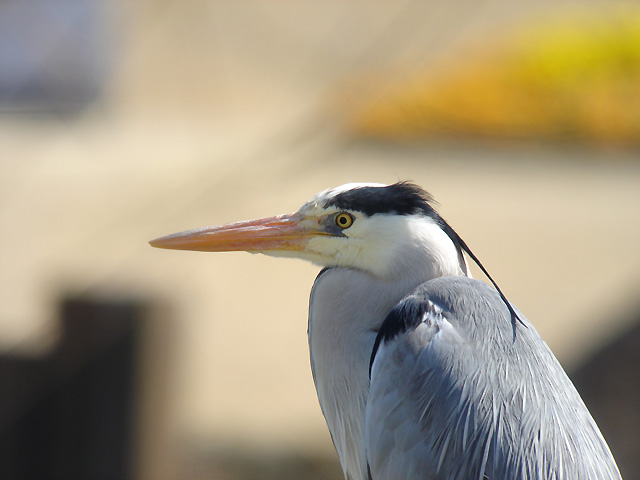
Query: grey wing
457, 394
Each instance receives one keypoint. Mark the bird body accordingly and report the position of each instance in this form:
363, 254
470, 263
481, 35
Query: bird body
422, 372
462, 398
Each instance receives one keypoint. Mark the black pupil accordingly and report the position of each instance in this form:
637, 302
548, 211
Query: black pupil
343, 220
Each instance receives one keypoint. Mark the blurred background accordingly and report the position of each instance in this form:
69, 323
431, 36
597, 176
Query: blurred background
124, 121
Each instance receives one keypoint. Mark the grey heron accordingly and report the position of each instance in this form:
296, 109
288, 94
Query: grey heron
421, 371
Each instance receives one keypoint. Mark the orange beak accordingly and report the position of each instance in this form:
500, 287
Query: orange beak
283, 232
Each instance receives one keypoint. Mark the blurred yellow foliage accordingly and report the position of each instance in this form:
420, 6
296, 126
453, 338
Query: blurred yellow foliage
573, 78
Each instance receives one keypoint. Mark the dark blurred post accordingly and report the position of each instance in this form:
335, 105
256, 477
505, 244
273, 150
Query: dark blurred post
610, 386
71, 415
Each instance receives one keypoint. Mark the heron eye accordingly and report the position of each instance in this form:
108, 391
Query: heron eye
344, 220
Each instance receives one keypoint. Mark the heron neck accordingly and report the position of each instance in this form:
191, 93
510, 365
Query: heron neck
347, 309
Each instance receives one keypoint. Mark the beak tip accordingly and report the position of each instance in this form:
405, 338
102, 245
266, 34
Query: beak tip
158, 242
176, 241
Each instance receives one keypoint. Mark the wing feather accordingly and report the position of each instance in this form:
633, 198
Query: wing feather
455, 395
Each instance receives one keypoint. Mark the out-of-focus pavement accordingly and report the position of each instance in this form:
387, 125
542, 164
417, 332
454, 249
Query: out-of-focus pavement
215, 113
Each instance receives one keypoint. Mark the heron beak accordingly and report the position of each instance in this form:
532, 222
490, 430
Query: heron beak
283, 232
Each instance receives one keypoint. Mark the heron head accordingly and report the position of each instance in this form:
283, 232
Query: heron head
380, 229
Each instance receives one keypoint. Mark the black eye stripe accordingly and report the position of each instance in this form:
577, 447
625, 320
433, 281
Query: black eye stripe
400, 198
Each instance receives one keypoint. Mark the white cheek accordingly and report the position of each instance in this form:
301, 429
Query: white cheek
325, 246
343, 251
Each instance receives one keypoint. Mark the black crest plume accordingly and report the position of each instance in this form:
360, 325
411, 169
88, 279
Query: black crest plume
406, 198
